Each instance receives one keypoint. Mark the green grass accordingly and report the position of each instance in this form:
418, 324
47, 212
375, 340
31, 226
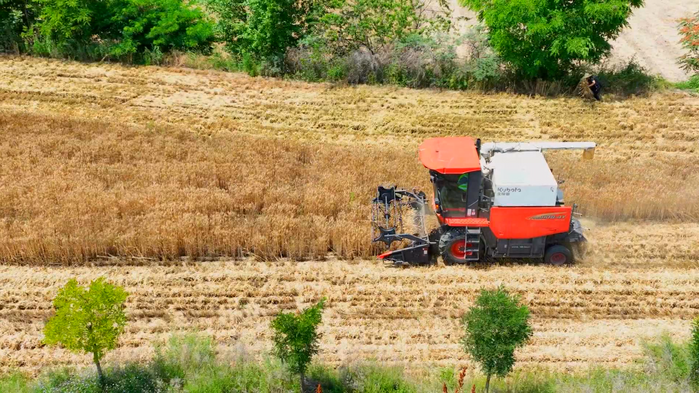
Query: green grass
189, 363
691, 84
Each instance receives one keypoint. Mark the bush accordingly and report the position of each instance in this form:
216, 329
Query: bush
296, 338
668, 359
544, 39
16, 383
131, 30
415, 61
377, 24
183, 355
691, 84
694, 353
372, 378
263, 29
159, 26
629, 79
495, 326
15, 17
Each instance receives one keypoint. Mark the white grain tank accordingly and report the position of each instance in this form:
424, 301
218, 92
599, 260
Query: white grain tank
522, 179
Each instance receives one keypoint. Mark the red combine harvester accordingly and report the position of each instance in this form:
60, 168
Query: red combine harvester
498, 200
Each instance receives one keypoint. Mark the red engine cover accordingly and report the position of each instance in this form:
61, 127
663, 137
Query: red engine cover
529, 222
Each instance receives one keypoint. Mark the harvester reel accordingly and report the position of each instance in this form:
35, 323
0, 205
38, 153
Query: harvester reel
389, 220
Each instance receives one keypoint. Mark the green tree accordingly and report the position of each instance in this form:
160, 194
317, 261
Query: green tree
694, 352
264, 29
495, 326
16, 16
689, 30
87, 320
63, 20
296, 338
375, 24
165, 24
545, 38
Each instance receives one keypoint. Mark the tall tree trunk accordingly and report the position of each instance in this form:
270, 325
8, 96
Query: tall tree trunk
99, 369
302, 382
487, 384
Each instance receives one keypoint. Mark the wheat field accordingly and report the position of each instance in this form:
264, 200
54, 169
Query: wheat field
218, 199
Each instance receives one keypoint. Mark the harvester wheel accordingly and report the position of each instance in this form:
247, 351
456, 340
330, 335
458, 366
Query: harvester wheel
558, 255
452, 245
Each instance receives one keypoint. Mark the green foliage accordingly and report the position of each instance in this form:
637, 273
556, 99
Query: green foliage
15, 18
629, 79
87, 320
689, 30
372, 378
184, 355
143, 29
545, 38
376, 24
694, 353
495, 326
263, 29
416, 61
484, 64
296, 337
669, 359
63, 20
188, 363
691, 84
15, 382
160, 25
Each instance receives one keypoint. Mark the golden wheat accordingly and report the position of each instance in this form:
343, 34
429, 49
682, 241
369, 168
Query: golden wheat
162, 163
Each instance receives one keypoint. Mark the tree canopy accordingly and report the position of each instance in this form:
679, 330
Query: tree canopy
544, 38
296, 337
495, 326
87, 320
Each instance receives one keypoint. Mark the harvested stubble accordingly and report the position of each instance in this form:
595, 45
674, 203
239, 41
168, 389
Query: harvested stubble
582, 316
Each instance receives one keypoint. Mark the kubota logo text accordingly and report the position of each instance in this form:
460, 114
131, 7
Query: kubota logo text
548, 216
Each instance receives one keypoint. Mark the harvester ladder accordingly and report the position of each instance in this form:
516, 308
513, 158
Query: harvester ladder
473, 241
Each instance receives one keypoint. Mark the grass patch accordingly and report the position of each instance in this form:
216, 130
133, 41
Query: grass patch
189, 363
691, 84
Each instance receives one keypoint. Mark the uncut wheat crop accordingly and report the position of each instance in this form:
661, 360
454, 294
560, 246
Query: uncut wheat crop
162, 164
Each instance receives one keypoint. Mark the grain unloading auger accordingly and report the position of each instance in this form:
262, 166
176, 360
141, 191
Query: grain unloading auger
496, 200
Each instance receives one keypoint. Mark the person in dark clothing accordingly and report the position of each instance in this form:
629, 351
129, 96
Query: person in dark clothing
595, 86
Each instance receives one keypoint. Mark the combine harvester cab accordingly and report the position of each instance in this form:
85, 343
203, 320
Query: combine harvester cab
498, 200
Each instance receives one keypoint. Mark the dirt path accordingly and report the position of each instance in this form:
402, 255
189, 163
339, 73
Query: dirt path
651, 38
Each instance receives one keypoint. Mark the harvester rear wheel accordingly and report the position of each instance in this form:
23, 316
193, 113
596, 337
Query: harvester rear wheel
558, 255
452, 246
